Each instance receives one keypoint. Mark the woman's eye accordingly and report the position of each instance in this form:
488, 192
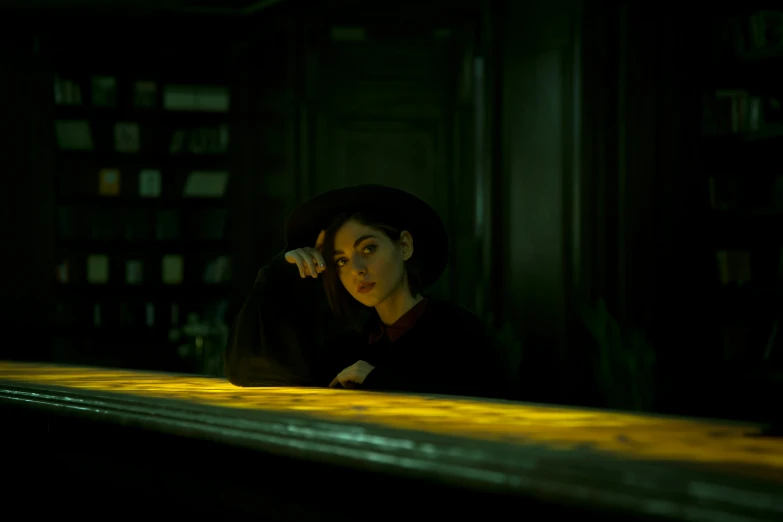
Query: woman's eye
341, 263
369, 249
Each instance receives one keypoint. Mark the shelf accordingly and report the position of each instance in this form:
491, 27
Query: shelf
155, 115
770, 133
747, 299
757, 73
741, 152
163, 245
751, 213
118, 348
130, 202
747, 228
148, 158
86, 223
126, 333
752, 308
147, 290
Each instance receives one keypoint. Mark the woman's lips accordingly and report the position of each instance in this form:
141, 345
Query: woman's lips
365, 287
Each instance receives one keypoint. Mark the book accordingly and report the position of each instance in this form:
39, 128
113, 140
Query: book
59, 90
201, 140
223, 138
66, 92
734, 267
149, 183
206, 184
731, 112
724, 192
208, 140
63, 272
104, 91
134, 272
64, 223
104, 225
64, 314
780, 268
210, 224
177, 142
735, 341
218, 270
73, 135
97, 269
109, 182
167, 225
145, 95
196, 98
128, 314
138, 225
776, 196
172, 269
215, 312
348, 34
149, 314
126, 137
179, 97
212, 99
766, 31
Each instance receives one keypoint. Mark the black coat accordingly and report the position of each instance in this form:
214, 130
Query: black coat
286, 335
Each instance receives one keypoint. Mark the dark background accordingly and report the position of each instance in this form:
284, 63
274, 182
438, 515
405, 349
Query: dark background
567, 145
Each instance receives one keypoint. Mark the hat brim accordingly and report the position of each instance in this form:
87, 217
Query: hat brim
431, 243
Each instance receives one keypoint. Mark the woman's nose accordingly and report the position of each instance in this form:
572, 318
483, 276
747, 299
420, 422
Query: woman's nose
358, 265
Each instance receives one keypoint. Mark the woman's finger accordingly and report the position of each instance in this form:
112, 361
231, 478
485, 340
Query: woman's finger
308, 259
319, 260
297, 258
302, 267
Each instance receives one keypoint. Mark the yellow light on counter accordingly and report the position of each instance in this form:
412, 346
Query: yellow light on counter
625, 434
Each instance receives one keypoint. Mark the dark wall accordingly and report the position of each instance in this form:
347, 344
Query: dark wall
379, 104
266, 72
600, 115
640, 195
538, 132
26, 197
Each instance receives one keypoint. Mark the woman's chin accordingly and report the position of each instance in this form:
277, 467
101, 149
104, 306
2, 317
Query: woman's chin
367, 300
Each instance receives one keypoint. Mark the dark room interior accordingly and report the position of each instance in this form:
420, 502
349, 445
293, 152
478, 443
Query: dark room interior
607, 174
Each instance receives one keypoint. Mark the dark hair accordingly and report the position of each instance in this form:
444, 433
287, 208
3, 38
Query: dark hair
341, 302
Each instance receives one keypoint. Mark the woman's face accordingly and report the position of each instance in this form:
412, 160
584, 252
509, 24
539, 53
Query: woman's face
370, 265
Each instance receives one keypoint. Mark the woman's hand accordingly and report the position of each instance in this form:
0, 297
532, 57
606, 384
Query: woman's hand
353, 375
310, 261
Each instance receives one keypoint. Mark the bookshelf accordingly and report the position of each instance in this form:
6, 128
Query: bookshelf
143, 266
743, 137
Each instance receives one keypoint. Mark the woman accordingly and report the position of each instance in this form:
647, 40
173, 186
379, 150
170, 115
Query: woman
368, 325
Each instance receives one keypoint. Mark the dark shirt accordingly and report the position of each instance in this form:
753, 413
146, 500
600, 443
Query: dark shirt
445, 350
286, 335
402, 325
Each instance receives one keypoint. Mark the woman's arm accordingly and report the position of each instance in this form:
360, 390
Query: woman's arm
457, 355
273, 336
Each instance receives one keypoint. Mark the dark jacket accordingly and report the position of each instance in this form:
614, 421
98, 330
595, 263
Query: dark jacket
286, 335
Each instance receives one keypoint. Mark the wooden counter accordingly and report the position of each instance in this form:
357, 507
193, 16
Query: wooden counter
677, 468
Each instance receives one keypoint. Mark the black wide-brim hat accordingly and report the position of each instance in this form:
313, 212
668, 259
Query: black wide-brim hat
430, 239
